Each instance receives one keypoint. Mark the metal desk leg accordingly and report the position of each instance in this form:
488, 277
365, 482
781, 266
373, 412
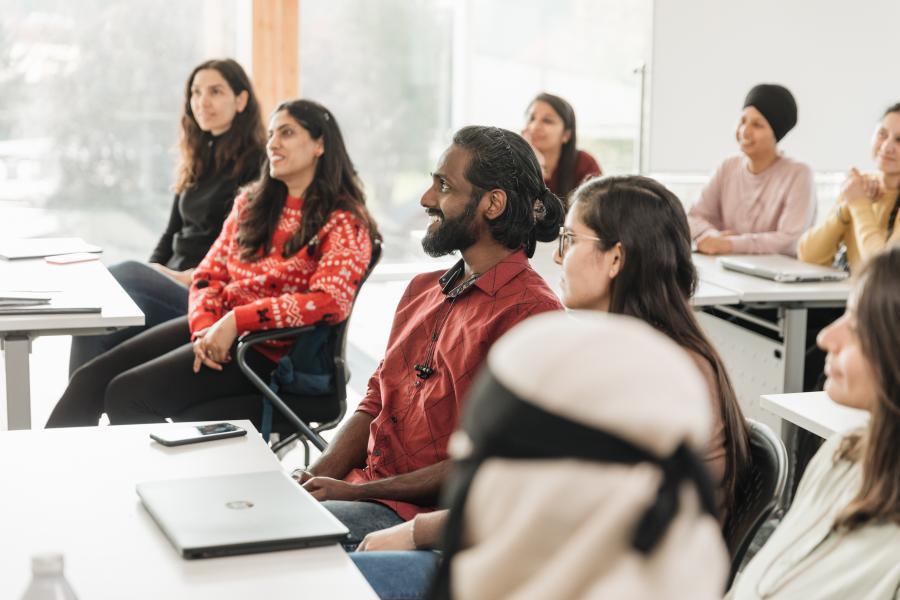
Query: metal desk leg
16, 348
794, 328
794, 348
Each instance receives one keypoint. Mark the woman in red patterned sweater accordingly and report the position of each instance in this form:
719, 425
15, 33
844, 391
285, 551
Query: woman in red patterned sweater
292, 252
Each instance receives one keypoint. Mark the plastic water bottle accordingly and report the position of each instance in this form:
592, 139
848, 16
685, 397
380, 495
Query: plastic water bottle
48, 581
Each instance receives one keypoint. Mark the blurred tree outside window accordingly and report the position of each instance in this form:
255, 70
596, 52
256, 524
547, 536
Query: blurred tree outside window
91, 94
402, 75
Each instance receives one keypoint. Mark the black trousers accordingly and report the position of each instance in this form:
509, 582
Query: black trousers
150, 378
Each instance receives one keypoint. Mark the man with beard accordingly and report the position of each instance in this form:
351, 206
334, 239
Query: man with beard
488, 202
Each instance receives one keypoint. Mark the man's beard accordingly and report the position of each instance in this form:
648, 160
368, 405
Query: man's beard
452, 235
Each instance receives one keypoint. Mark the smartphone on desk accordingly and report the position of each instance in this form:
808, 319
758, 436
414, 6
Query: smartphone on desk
192, 434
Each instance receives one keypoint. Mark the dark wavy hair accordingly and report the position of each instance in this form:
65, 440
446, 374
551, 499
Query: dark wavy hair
656, 283
892, 218
335, 186
567, 156
878, 326
501, 159
236, 152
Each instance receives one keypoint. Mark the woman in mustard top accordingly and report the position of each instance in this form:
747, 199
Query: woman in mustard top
861, 224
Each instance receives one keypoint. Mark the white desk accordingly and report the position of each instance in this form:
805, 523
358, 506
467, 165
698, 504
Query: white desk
814, 412
73, 491
753, 289
710, 294
90, 281
779, 360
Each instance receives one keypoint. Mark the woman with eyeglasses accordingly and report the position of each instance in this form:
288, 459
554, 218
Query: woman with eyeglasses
626, 249
841, 537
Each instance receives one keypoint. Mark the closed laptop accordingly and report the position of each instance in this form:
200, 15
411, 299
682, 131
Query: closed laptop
781, 268
238, 514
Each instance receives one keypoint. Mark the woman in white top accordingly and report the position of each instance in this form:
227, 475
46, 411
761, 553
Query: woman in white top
841, 537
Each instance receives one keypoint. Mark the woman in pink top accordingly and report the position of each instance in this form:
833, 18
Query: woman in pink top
760, 201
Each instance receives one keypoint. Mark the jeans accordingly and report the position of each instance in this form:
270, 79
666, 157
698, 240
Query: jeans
361, 518
160, 298
398, 575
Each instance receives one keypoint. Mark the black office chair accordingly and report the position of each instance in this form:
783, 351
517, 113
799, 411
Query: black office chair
302, 418
759, 495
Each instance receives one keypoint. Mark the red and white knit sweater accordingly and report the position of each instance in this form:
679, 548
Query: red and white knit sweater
276, 292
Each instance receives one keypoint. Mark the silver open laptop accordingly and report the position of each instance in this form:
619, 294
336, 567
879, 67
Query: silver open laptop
238, 514
781, 268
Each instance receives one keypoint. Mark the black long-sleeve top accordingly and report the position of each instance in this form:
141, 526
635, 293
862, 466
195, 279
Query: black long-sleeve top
197, 216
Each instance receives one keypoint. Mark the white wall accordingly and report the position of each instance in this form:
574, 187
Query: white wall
837, 57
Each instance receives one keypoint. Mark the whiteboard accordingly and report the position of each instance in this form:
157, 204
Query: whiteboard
840, 59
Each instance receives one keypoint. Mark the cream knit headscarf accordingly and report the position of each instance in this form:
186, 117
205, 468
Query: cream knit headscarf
561, 529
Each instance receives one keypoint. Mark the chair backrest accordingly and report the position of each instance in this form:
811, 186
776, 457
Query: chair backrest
341, 368
337, 405
759, 492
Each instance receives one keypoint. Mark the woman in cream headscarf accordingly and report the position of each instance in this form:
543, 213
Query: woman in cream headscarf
577, 477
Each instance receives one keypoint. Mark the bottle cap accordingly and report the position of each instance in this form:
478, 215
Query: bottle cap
47, 563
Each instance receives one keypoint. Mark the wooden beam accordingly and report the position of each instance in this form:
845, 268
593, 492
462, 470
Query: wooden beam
276, 52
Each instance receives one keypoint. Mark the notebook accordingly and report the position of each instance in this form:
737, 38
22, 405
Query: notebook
23, 298
40, 247
49, 304
238, 514
781, 268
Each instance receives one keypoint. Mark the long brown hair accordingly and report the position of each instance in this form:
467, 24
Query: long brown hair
656, 283
892, 216
238, 152
568, 154
878, 326
335, 186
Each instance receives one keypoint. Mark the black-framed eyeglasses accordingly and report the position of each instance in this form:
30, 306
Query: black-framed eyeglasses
566, 237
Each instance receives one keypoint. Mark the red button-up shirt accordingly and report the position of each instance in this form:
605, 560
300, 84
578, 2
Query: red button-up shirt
414, 417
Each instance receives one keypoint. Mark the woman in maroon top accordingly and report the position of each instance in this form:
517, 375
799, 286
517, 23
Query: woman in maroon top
550, 129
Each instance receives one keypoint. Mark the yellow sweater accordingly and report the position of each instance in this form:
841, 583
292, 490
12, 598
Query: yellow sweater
862, 227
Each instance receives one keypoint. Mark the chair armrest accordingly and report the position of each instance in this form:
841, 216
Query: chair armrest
257, 337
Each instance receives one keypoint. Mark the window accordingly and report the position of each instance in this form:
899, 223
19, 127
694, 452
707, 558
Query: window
384, 68
92, 92
402, 75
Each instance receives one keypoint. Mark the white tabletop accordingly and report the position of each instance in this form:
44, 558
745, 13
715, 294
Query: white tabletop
708, 294
757, 289
88, 281
814, 412
73, 491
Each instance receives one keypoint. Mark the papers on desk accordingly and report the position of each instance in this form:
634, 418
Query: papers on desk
23, 299
35, 303
40, 247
